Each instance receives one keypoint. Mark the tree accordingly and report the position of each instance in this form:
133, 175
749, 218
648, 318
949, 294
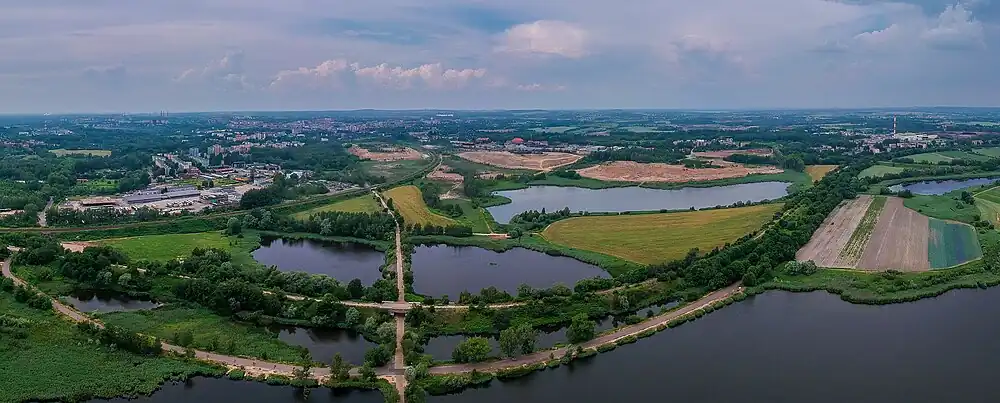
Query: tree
386, 332
234, 227
352, 317
473, 349
301, 375
368, 372
378, 356
581, 329
356, 289
125, 280
339, 369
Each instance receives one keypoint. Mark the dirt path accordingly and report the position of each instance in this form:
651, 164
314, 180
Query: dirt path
542, 356
399, 361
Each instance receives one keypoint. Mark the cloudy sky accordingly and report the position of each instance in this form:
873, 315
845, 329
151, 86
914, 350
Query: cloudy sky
194, 55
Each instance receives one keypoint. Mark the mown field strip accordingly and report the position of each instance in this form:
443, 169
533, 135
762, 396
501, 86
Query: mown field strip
859, 239
411, 206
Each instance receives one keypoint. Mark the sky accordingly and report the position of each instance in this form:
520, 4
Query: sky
63, 56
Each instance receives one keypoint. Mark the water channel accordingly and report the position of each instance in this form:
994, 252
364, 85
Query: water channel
343, 261
90, 301
440, 270
323, 344
941, 187
553, 198
776, 347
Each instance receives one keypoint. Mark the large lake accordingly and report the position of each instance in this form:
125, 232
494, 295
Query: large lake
323, 344
553, 198
341, 260
942, 187
776, 347
440, 270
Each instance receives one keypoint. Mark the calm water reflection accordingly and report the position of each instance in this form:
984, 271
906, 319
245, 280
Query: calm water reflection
553, 198
942, 187
448, 270
341, 260
323, 344
91, 301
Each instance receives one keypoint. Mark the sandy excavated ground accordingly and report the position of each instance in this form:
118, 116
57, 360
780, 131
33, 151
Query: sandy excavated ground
535, 162
628, 171
77, 246
899, 241
830, 239
397, 155
725, 153
442, 174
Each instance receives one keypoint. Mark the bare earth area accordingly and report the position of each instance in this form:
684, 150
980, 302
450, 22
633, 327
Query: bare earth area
725, 153
628, 171
509, 160
398, 154
830, 239
899, 240
77, 246
441, 174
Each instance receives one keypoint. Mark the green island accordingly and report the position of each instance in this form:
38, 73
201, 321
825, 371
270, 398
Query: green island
142, 265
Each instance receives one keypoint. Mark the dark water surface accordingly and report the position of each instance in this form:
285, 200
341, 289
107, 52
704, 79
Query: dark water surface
212, 390
776, 347
553, 198
942, 187
343, 261
440, 270
89, 301
323, 344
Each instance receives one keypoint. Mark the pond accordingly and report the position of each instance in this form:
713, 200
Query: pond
931, 188
95, 301
440, 270
343, 261
553, 198
323, 344
213, 390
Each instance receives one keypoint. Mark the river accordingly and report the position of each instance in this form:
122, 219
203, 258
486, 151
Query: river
775, 347
440, 270
553, 198
343, 261
323, 344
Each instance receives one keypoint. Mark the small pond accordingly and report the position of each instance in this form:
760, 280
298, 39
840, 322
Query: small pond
440, 270
323, 344
214, 390
343, 261
931, 188
94, 301
553, 198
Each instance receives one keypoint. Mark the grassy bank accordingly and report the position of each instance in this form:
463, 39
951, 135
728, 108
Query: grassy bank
172, 246
410, 204
360, 204
49, 359
210, 332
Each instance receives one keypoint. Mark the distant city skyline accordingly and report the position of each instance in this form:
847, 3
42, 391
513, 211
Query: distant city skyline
104, 56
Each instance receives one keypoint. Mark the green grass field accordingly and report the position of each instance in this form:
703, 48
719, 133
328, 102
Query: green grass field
50, 360
657, 238
988, 203
817, 172
211, 332
172, 246
993, 152
875, 171
360, 204
964, 155
856, 245
476, 218
945, 207
951, 244
410, 204
929, 158
62, 152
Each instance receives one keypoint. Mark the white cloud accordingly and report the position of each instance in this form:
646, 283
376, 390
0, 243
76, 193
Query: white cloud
228, 71
338, 73
955, 28
545, 37
536, 87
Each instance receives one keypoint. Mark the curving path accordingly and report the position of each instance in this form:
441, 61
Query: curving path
609, 338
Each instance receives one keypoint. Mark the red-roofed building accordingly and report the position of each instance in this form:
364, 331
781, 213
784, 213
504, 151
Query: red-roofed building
517, 140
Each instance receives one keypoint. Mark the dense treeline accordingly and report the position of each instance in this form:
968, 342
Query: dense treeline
533, 219
123, 339
376, 226
77, 218
638, 154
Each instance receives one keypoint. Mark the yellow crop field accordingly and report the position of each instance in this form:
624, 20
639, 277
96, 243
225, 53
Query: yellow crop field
658, 238
817, 172
361, 204
410, 204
